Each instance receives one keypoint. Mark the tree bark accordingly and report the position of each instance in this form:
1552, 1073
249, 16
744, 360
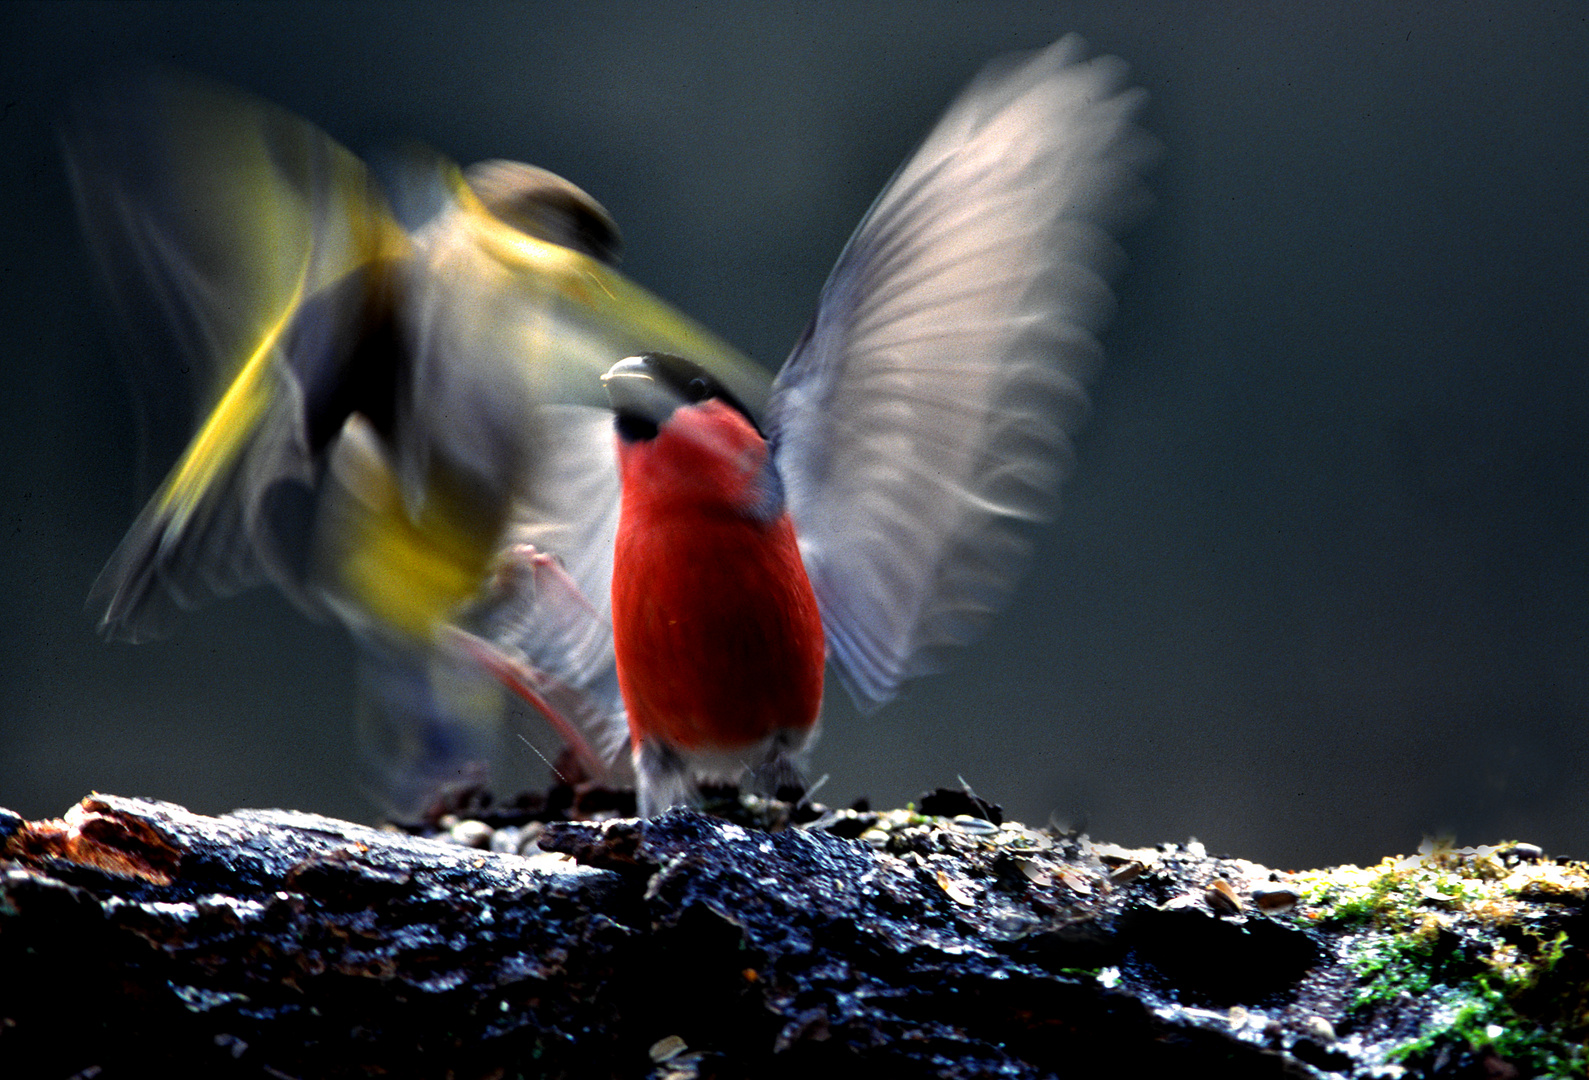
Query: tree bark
137, 938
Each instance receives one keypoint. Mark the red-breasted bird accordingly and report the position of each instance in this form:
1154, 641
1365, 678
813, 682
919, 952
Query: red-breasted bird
717, 633
875, 517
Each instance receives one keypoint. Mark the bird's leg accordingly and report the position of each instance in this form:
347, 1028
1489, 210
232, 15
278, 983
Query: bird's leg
533, 609
532, 686
668, 777
779, 774
663, 779
525, 570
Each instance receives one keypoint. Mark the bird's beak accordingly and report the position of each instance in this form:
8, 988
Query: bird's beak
636, 390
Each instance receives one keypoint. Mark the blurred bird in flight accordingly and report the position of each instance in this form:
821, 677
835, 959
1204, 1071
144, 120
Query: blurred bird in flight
405, 427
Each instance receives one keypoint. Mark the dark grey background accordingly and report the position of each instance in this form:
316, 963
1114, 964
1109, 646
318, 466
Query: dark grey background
1321, 583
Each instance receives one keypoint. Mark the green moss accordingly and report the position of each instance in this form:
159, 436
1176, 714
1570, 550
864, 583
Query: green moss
1486, 1019
1389, 965
1453, 928
1382, 903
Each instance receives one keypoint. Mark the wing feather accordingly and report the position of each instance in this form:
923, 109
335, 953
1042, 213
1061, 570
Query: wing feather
214, 217
925, 415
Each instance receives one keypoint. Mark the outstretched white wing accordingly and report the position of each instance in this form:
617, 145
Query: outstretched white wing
925, 414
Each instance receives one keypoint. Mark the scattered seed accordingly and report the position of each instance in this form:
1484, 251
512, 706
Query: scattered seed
1275, 897
507, 841
1075, 882
1034, 873
1120, 875
974, 825
956, 890
666, 1049
1318, 1029
1223, 897
471, 833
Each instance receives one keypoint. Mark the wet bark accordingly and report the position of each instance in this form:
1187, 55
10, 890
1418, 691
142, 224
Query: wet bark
137, 938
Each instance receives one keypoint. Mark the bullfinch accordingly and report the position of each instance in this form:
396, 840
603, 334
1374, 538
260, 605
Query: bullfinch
874, 515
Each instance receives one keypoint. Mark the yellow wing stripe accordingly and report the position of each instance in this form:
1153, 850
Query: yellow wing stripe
233, 420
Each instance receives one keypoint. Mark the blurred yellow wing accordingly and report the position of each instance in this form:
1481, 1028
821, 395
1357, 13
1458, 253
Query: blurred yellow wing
214, 217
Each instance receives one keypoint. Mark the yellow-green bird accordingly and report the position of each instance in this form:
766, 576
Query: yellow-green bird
380, 403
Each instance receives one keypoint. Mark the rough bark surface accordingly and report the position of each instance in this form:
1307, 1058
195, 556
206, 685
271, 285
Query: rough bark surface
137, 939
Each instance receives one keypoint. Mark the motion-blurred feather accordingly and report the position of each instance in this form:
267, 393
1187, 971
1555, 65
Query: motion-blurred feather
924, 416
378, 404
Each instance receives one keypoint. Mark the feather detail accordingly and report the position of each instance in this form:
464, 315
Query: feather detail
718, 637
924, 417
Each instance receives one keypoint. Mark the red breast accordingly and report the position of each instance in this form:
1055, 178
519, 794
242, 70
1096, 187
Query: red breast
718, 638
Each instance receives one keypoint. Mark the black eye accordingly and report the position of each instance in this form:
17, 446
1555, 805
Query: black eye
697, 389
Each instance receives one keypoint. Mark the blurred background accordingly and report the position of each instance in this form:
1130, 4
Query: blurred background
1321, 581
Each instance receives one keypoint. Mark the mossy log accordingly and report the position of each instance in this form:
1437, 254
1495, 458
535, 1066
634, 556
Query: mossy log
137, 939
